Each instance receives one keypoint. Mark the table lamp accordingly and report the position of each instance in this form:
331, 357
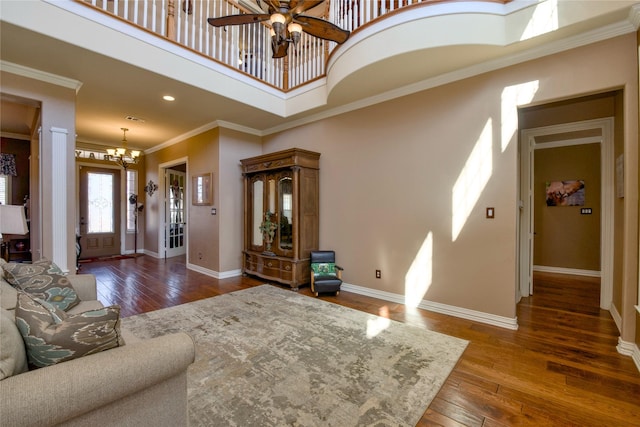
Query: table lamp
12, 221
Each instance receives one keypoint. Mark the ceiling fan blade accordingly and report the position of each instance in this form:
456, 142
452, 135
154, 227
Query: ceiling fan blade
247, 18
300, 6
274, 5
322, 29
280, 51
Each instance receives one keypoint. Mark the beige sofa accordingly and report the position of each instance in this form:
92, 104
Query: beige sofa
143, 383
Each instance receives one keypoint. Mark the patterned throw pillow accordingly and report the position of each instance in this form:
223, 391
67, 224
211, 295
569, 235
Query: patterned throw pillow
42, 279
324, 268
52, 288
51, 336
15, 272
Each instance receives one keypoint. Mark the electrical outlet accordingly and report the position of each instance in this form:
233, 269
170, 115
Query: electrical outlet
378, 274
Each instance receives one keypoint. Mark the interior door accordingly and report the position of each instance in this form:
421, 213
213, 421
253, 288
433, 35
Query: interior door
175, 219
99, 211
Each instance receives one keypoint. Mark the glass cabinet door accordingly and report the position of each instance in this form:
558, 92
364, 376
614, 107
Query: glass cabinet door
257, 210
285, 212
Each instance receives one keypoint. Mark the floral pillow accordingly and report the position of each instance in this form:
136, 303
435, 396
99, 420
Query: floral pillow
51, 336
52, 288
324, 268
42, 279
15, 272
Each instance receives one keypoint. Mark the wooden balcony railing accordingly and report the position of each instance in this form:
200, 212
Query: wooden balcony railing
247, 48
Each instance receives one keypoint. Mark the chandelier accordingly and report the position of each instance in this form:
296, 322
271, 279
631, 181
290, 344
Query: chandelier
123, 156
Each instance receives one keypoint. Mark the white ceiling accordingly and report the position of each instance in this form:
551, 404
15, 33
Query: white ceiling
116, 86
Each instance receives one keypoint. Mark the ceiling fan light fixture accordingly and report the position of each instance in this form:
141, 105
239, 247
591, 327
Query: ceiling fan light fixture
295, 32
278, 18
278, 24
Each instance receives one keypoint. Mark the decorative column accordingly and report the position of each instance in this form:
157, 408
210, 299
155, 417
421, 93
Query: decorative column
60, 164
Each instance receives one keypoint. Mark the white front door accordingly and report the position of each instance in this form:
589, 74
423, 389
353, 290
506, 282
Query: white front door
175, 237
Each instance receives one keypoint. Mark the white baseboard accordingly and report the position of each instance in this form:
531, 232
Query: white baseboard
464, 313
636, 357
562, 270
629, 349
214, 274
150, 253
616, 317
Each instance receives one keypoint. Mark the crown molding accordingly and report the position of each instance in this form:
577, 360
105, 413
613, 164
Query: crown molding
590, 37
9, 135
634, 16
42, 76
202, 129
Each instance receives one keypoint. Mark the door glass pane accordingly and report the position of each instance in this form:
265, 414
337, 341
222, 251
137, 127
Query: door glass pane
176, 211
285, 193
258, 213
100, 202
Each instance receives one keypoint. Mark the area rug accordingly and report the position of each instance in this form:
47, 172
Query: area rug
267, 356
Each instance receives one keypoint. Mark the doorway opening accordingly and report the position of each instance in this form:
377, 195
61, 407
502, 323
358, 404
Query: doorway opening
566, 139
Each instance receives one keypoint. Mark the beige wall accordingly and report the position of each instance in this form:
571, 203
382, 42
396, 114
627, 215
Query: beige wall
388, 172
564, 238
234, 146
201, 152
214, 241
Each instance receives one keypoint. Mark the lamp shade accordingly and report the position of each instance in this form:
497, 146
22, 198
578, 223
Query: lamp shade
13, 220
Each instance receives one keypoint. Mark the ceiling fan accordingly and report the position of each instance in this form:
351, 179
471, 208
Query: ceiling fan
288, 23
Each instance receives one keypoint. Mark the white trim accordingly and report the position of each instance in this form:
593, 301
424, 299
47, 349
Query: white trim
634, 15
42, 76
607, 231
625, 347
635, 355
569, 142
638, 308
562, 270
215, 124
150, 253
59, 162
616, 317
450, 310
214, 274
22, 137
162, 202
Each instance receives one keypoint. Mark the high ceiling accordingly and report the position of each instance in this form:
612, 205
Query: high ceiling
116, 84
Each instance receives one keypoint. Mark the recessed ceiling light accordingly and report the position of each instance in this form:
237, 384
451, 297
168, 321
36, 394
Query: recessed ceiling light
168, 98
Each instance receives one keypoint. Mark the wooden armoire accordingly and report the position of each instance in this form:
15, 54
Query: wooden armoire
281, 198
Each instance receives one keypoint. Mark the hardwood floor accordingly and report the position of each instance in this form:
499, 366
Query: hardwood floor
560, 368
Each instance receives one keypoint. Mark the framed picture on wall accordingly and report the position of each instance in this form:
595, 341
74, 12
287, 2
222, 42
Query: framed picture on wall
202, 190
565, 193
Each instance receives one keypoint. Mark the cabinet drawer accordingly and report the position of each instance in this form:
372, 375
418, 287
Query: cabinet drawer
271, 267
250, 262
286, 270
